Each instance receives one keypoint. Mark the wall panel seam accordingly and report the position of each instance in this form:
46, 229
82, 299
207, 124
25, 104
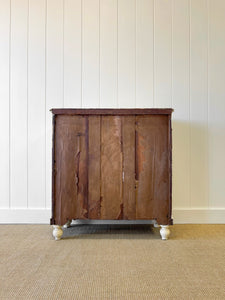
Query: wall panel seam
207, 132
153, 53
10, 37
172, 11
45, 110
135, 55
28, 29
117, 58
189, 103
99, 52
81, 53
63, 53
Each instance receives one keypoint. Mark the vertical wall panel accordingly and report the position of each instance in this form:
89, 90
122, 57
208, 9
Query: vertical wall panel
180, 103
108, 53
36, 104
54, 77
90, 53
198, 103
18, 103
216, 102
163, 53
72, 53
4, 100
144, 53
126, 53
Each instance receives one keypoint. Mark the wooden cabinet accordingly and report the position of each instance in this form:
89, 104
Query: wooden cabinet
111, 164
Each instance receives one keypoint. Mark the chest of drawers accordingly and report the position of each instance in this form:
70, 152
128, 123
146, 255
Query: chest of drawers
111, 164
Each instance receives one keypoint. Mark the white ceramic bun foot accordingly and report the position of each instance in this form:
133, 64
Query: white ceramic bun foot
165, 232
57, 232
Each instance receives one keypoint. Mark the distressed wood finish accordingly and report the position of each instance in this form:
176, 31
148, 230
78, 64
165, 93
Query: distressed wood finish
152, 165
129, 201
112, 166
113, 112
94, 168
70, 168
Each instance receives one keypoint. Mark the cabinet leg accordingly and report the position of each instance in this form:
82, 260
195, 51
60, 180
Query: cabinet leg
57, 232
165, 232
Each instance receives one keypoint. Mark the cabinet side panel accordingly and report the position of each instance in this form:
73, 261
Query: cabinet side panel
94, 160
70, 168
111, 168
152, 168
128, 135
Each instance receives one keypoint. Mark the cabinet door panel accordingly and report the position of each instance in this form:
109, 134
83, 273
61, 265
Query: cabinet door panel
111, 168
94, 168
70, 168
128, 145
152, 168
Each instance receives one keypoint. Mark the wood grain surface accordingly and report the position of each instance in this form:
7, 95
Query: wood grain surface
94, 168
112, 167
152, 164
70, 168
129, 201
113, 112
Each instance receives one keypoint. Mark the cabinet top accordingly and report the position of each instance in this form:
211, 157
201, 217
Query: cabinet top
112, 111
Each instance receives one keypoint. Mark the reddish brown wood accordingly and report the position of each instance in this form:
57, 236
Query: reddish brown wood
118, 112
170, 220
129, 201
94, 171
112, 165
111, 168
153, 182
70, 168
145, 169
52, 220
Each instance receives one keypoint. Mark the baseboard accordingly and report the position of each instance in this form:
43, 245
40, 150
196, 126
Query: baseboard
199, 215
180, 216
25, 216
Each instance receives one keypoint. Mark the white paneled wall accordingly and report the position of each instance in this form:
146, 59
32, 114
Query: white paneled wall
112, 53
36, 105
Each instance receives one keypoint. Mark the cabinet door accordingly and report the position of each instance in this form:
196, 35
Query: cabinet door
111, 168
94, 167
152, 168
71, 160
128, 145
111, 171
